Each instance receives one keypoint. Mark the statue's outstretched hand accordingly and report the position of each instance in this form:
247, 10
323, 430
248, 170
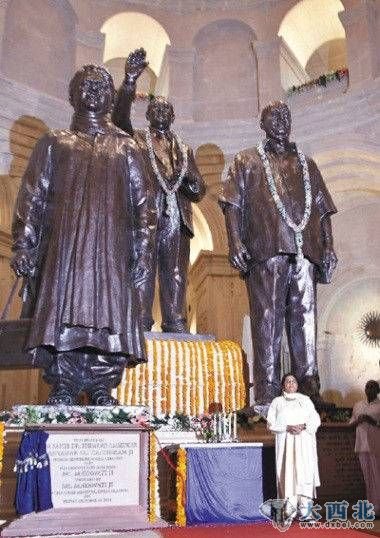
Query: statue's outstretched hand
135, 64
239, 257
23, 263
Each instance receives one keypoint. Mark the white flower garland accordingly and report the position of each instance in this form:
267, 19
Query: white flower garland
170, 192
297, 228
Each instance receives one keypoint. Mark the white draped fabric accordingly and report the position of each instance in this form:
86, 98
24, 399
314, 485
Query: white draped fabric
296, 455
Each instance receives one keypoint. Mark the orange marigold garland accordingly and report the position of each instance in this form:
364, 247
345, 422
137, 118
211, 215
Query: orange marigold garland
165, 357
238, 377
155, 351
206, 371
181, 487
195, 385
203, 365
2, 435
179, 358
228, 384
210, 376
231, 381
221, 361
153, 479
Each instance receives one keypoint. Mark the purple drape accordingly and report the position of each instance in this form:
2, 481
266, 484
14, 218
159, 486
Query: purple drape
33, 490
226, 485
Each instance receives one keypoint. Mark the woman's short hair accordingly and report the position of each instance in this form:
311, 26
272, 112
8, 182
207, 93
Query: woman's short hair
287, 375
372, 384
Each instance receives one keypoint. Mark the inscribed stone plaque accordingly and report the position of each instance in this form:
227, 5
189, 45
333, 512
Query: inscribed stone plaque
94, 469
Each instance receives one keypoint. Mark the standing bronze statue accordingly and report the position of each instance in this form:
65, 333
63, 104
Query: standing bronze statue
175, 183
81, 238
277, 210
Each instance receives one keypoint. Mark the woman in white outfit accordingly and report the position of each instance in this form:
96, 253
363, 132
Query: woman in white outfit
293, 419
366, 418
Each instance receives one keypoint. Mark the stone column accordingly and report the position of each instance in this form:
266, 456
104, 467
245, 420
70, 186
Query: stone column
180, 65
359, 21
3, 10
217, 297
268, 70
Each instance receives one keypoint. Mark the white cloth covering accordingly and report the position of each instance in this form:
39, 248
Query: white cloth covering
296, 455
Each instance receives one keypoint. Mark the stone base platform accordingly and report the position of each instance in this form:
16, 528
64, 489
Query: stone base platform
99, 481
340, 473
77, 520
339, 467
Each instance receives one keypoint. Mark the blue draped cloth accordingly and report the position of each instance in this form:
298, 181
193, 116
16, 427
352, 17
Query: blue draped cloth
33, 490
225, 485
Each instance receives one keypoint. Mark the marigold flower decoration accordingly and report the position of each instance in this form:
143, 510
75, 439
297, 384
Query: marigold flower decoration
2, 435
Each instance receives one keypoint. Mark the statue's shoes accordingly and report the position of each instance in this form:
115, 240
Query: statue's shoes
101, 396
61, 396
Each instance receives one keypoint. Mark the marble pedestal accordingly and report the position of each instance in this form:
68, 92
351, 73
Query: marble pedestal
80, 520
99, 478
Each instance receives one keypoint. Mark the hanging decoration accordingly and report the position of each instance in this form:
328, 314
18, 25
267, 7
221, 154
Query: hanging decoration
153, 478
181, 487
170, 191
2, 436
297, 228
186, 377
322, 81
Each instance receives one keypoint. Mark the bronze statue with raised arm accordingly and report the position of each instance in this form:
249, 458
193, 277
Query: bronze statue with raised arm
277, 210
175, 183
81, 234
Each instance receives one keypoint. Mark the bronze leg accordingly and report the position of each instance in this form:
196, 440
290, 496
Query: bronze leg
74, 371
173, 263
267, 289
104, 373
67, 375
145, 291
301, 322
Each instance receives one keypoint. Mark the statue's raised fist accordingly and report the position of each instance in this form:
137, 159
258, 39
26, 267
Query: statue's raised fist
136, 63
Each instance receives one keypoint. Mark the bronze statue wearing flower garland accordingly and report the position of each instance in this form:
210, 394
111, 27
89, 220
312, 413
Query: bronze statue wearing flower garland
175, 183
277, 212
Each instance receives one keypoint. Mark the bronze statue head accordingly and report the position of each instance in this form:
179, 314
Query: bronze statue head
276, 121
92, 90
160, 113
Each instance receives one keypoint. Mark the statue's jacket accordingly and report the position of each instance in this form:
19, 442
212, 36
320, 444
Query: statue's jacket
84, 212
262, 229
169, 160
